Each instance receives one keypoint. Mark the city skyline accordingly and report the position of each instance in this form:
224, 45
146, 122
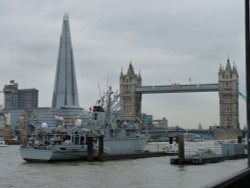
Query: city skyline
168, 42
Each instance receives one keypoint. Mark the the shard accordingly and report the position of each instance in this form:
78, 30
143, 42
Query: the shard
65, 88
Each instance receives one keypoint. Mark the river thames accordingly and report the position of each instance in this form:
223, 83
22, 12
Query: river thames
138, 173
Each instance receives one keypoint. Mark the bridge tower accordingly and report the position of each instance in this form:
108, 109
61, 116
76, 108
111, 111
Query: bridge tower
130, 100
228, 97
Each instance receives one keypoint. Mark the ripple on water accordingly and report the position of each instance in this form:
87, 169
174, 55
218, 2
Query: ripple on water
139, 173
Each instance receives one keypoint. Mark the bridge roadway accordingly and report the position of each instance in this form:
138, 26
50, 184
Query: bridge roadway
177, 88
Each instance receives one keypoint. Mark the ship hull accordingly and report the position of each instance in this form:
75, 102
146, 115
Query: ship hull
76, 152
53, 154
126, 145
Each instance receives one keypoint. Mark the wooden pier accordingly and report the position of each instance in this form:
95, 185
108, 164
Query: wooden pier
145, 154
108, 157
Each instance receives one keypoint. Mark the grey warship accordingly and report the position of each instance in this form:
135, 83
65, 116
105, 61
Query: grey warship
63, 143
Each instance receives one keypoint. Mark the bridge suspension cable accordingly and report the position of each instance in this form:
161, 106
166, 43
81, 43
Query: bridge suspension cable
242, 96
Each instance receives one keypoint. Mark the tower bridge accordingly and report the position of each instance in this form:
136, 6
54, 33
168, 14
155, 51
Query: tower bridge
177, 88
131, 91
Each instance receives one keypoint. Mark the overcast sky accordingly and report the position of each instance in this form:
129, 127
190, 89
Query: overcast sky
168, 41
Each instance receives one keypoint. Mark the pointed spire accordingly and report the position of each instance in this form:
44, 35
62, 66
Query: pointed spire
121, 75
228, 67
130, 69
66, 17
139, 75
234, 71
221, 70
65, 88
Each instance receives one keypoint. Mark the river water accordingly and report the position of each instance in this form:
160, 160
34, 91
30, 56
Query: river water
138, 173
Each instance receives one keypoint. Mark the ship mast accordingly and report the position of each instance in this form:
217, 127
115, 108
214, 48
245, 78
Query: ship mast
108, 111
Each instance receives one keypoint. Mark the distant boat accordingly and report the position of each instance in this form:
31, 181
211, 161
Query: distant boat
3, 144
14, 141
171, 148
191, 137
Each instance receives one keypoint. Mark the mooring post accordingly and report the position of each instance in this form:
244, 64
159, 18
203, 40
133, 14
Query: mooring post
181, 150
239, 139
101, 148
90, 148
170, 140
